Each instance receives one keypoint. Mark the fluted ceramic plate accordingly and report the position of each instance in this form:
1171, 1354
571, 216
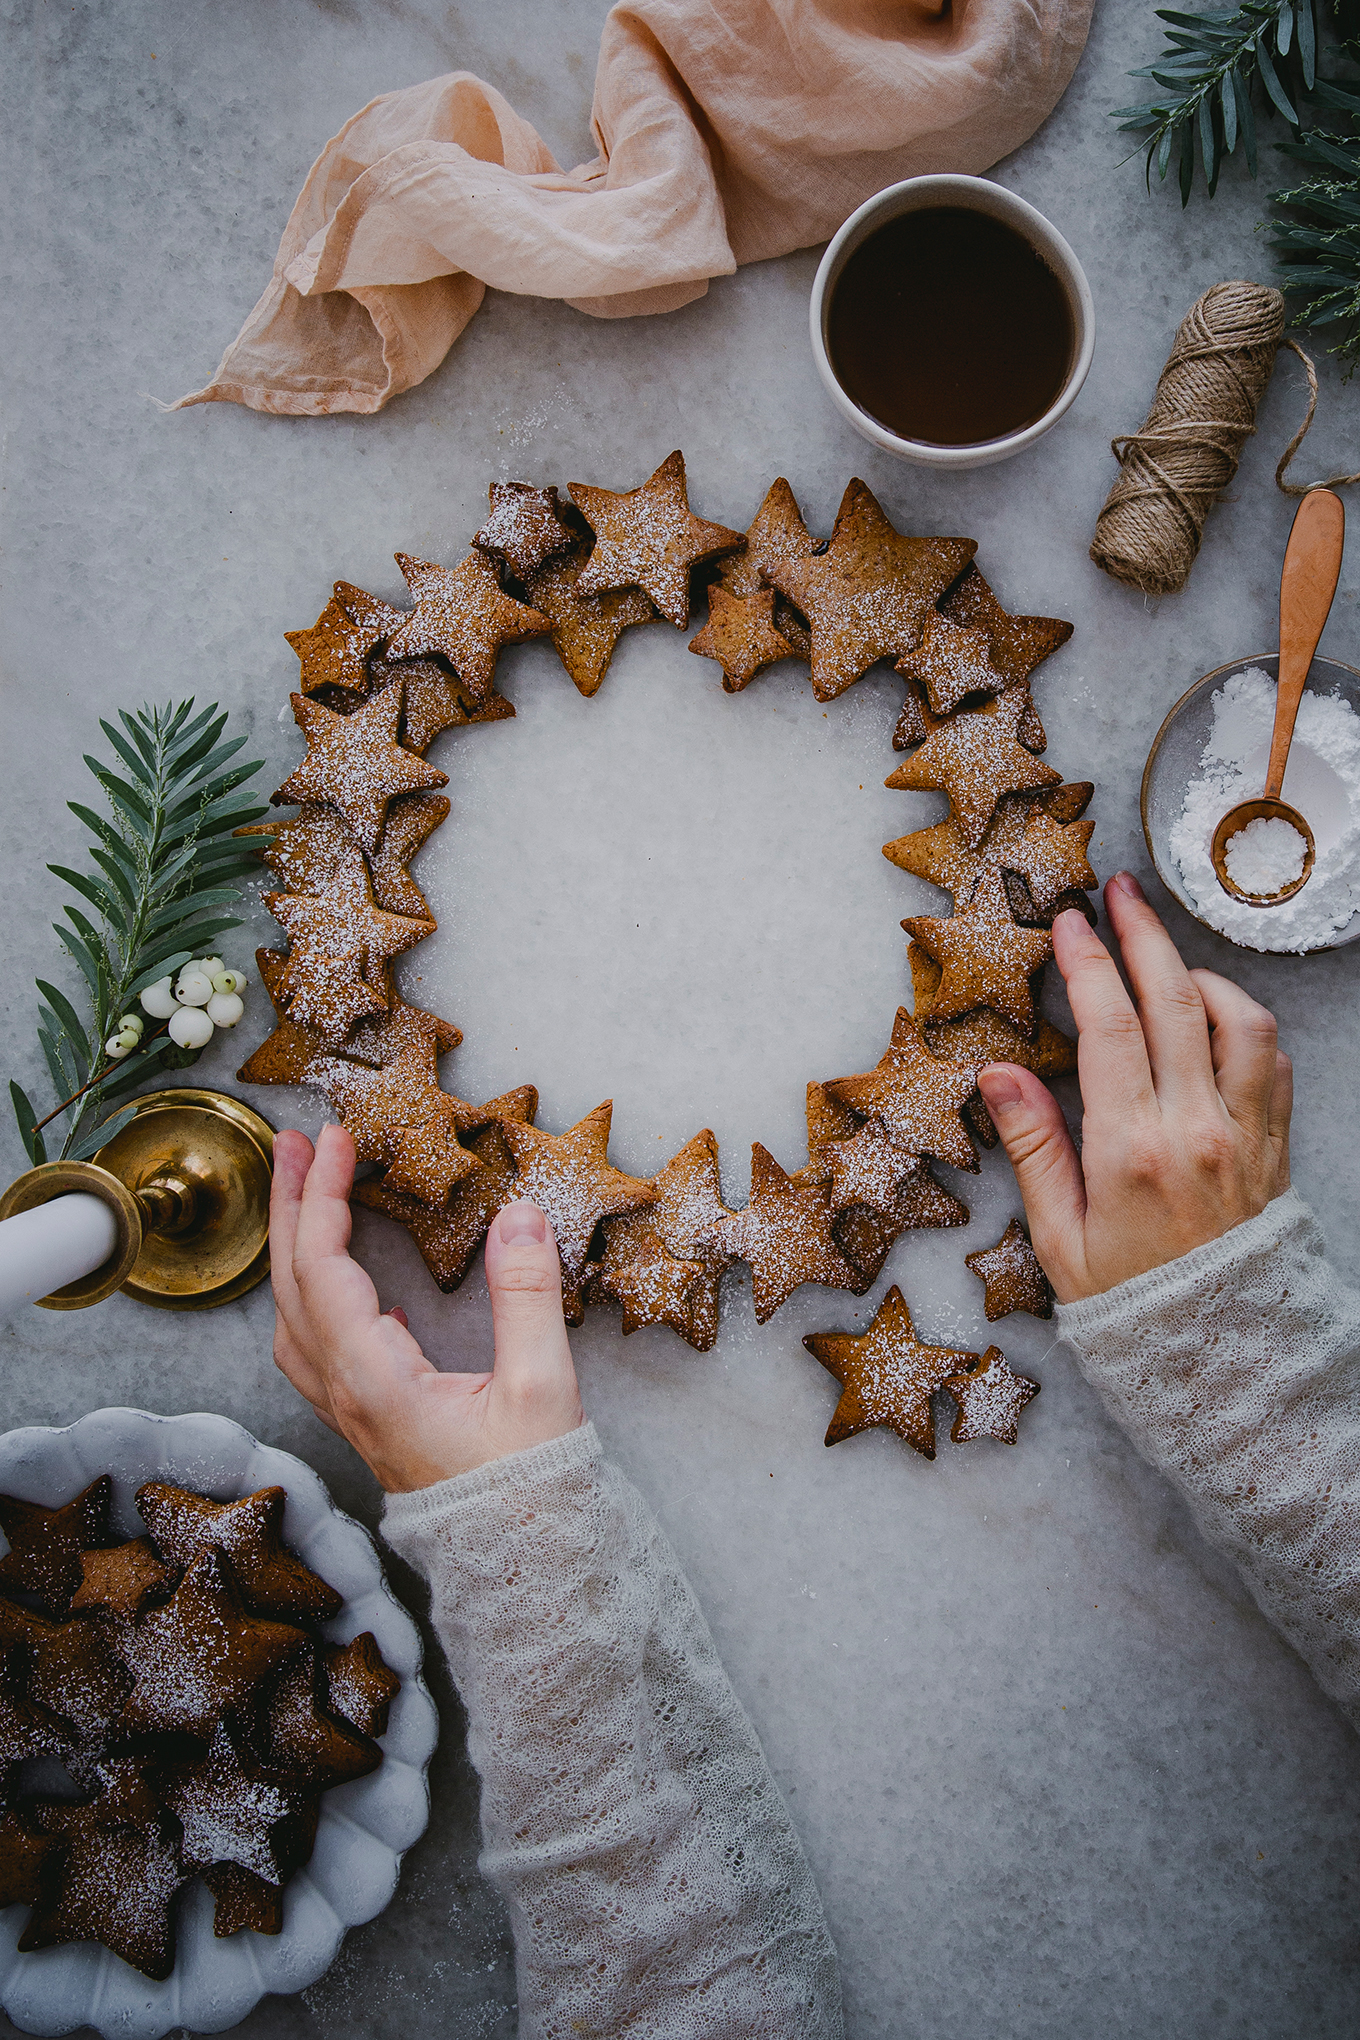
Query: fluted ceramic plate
365, 1825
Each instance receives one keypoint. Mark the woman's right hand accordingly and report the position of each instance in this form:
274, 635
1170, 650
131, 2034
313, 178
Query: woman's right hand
1186, 1100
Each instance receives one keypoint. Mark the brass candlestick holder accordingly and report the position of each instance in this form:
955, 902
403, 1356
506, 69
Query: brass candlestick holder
187, 1179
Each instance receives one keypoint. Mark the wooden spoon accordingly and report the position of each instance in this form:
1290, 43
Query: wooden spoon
1312, 568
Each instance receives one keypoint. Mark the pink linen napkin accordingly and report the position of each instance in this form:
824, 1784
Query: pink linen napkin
728, 130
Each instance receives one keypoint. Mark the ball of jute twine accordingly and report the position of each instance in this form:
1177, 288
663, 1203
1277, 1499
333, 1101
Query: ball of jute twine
1174, 468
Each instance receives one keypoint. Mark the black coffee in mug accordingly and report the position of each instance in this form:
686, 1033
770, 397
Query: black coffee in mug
949, 327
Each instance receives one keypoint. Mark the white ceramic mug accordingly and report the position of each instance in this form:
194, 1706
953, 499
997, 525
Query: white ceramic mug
978, 194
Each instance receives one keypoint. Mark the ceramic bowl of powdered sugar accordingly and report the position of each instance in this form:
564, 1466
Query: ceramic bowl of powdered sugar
1211, 752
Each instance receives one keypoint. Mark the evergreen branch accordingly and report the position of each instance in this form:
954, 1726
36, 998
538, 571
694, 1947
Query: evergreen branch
1315, 225
162, 863
1207, 75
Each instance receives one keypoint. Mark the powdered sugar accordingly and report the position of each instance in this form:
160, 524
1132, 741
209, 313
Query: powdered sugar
1322, 782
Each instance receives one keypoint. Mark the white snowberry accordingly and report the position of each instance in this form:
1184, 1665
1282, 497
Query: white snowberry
224, 1009
209, 965
224, 980
131, 1023
190, 1027
159, 999
114, 1048
194, 987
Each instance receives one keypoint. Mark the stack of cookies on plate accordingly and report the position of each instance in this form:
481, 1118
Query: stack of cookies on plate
180, 1683
378, 684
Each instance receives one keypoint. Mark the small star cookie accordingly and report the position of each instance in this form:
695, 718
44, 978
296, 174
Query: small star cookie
975, 757
360, 1684
950, 663
776, 532
570, 1178
1052, 859
986, 957
307, 1742
46, 1545
434, 700
400, 1116
990, 1398
865, 1232
286, 1055
867, 595
341, 940
307, 852
464, 615
585, 628
233, 1809
649, 537
354, 763
664, 1263
740, 634
448, 1238
525, 527
1016, 644
1012, 1276
916, 1097
887, 1376
241, 1899
249, 1531
785, 1237
334, 652
984, 1037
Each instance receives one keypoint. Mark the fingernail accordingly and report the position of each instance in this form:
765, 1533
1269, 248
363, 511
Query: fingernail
999, 1088
522, 1221
1127, 883
399, 1314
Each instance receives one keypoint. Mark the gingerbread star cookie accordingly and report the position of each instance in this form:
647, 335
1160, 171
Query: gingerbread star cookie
986, 957
585, 628
649, 538
355, 763
776, 532
287, 1055
341, 941
740, 634
975, 757
785, 1237
334, 652
399, 1116
250, 1532
570, 1178
984, 1037
233, 1809
866, 597
1012, 1276
990, 1398
202, 1655
950, 663
45, 1545
241, 1899
450, 1236
664, 1263
895, 1203
887, 1376
118, 1885
313, 1746
916, 1097
360, 1684
306, 853
525, 527
1015, 644
1052, 859
463, 615
27, 1730
943, 856
433, 699
73, 1672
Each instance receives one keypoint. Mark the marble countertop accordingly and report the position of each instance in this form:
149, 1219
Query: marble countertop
1055, 1774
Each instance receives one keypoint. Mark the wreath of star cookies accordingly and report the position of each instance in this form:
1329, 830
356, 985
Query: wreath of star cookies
378, 684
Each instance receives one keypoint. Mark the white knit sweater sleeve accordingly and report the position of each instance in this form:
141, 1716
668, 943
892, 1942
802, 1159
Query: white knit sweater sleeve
656, 1888
1236, 1370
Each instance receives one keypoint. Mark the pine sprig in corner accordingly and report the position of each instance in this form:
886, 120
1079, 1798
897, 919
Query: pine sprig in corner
164, 864
1315, 228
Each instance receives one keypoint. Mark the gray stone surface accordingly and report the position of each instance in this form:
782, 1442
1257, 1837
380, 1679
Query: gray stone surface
1054, 1772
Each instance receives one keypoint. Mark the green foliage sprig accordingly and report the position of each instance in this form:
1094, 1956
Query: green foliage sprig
1316, 224
1209, 75
164, 863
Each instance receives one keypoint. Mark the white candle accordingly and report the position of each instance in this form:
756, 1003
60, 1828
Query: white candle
55, 1243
